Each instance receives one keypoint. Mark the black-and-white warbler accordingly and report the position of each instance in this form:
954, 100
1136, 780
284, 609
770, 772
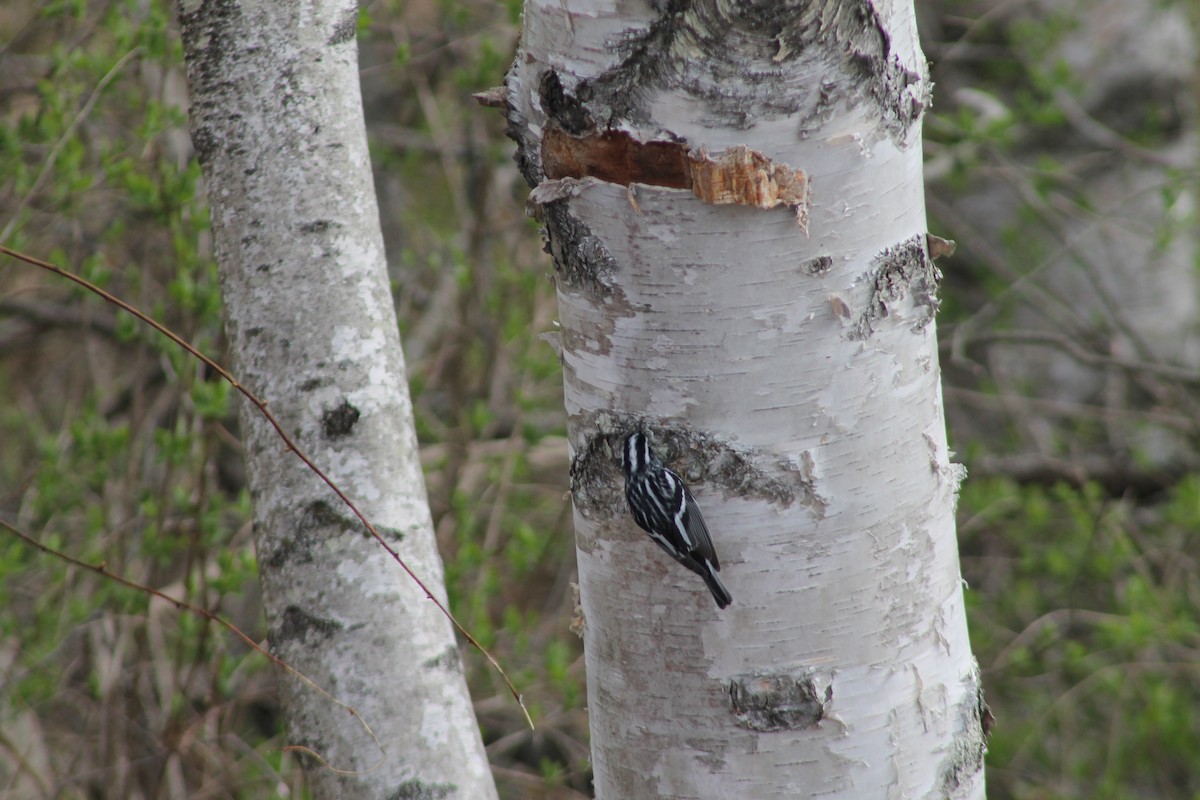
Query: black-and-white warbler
664, 508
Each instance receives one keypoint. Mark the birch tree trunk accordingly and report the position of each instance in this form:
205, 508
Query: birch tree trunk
733, 199
277, 122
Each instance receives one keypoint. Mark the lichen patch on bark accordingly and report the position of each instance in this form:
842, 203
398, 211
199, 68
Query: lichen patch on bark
314, 525
449, 659
902, 279
581, 260
965, 760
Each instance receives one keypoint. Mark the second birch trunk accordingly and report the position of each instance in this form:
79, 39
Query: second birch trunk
277, 121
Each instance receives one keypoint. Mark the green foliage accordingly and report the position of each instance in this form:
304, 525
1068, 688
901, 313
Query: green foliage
1083, 619
113, 435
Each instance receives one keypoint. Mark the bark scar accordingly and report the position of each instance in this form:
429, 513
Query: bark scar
773, 702
734, 176
904, 280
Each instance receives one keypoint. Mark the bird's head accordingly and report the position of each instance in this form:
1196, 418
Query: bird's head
637, 453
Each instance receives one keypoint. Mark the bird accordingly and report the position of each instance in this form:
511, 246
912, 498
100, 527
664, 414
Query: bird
663, 507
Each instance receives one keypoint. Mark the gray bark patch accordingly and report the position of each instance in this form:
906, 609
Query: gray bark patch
817, 266
748, 62
345, 30
581, 261
319, 514
338, 422
527, 156
420, 790
449, 659
299, 624
318, 521
965, 759
903, 274
773, 702
562, 106
319, 226
209, 36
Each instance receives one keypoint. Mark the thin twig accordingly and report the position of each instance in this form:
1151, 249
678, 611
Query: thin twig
1064, 408
1116, 474
1058, 618
288, 442
1100, 134
1084, 355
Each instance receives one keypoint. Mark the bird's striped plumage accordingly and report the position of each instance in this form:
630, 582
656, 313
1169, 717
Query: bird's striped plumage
664, 508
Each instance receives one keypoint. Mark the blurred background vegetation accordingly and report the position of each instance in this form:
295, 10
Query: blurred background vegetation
1069, 355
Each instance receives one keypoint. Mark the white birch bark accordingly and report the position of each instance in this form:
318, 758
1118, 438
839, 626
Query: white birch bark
277, 122
791, 377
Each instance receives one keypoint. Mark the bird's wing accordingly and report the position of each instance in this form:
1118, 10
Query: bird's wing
693, 522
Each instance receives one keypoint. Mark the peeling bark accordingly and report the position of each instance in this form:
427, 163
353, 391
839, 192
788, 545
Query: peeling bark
789, 375
736, 176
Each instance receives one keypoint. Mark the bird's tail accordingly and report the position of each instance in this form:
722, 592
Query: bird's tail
719, 592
